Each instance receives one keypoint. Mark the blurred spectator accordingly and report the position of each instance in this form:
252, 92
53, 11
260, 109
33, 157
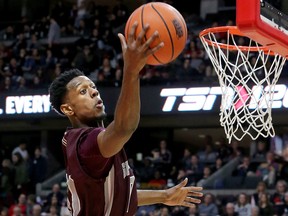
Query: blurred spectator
146, 210
261, 150
230, 210
84, 60
2, 73
206, 174
282, 160
19, 43
235, 149
4, 211
49, 60
53, 206
164, 211
208, 155
120, 13
209, 74
157, 182
185, 160
34, 43
41, 28
208, 206
193, 211
56, 191
255, 211
64, 209
156, 159
269, 169
22, 149
118, 77
243, 206
165, 153
96, 43
186, 73
19, 208
54, 33
4, 52
265, 206
277, 198
21, 174
81, 12
16, 211
15, 70
195, 170
22, 85
37, 83
82, 29
178, 211
6, 85
146, 170
60, 12
7, 182
245, 168
65, 58
261, 189
277, 144
181, 175
9, 33
31, 201
217, 165
36, 210
166, 157
37, 169
107, 71
35, 54
285, 205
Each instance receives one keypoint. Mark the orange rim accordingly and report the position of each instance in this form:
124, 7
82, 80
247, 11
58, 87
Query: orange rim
233, 30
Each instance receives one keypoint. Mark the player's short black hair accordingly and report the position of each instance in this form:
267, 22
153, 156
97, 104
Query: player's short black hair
58, 88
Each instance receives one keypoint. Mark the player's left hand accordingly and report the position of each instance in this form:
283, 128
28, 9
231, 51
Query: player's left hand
183, 196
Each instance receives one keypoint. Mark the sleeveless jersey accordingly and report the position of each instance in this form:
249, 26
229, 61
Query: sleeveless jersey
112, 193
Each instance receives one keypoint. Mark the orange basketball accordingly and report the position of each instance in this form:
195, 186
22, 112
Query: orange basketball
168, 22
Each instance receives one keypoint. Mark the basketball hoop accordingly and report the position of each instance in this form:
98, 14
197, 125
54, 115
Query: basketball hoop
247, 73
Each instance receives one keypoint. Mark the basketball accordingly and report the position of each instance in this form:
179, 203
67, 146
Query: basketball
168, 22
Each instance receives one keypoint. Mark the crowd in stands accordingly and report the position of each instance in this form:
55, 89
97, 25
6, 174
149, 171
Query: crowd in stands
33, 53
160, 169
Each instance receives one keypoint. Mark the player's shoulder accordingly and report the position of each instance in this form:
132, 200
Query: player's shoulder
84, 130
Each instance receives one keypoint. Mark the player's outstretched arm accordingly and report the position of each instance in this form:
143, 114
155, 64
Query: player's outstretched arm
179, 195
135, 52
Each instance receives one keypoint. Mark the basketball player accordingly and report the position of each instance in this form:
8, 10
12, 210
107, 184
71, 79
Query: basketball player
100, 181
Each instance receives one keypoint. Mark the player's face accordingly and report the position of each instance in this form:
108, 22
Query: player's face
84, 100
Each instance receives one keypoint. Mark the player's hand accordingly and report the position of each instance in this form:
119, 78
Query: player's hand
183, 196
136, 49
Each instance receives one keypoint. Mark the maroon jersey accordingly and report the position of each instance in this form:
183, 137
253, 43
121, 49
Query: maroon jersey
97, 186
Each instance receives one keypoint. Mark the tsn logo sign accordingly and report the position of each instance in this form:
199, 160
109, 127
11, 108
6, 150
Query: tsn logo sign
204, 98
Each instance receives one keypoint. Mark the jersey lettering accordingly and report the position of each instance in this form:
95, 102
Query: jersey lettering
125, 169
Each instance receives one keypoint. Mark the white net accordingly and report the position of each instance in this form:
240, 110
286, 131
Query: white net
247, 73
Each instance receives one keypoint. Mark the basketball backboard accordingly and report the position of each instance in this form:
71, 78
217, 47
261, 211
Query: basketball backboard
264, 23
248, 72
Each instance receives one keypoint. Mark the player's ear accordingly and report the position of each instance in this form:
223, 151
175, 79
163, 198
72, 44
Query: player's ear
66, 109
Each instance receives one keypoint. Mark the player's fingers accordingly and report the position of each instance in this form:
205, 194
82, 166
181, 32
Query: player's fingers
189, 204
154, 49
131, 33
192, 189
192, 200
122, 41
195, 194
141, 35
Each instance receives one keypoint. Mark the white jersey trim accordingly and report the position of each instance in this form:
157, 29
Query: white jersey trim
109, 191
75, 202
